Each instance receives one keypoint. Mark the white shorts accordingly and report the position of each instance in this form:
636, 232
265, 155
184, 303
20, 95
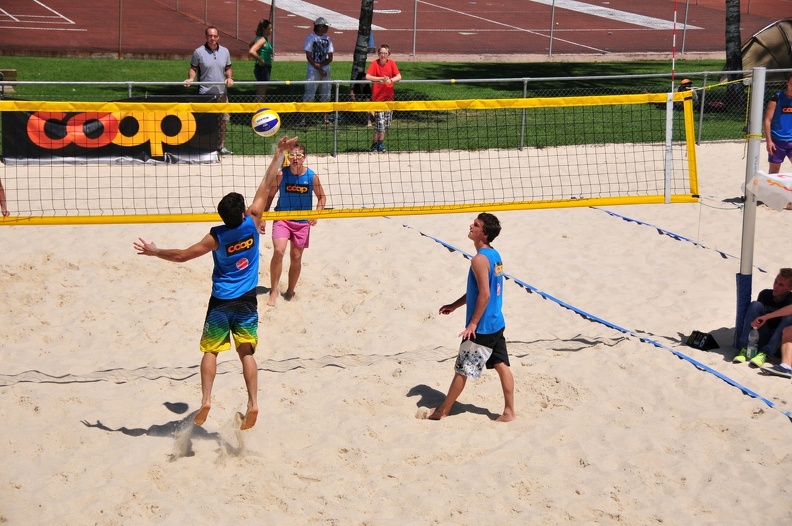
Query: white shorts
471, 359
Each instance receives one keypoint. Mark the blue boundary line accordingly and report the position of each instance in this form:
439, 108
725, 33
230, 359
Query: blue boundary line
591, 317
664, 232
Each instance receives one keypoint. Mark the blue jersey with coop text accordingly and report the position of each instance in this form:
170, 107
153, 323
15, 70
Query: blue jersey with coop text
295, 192
781, 124
236, 260
492, 320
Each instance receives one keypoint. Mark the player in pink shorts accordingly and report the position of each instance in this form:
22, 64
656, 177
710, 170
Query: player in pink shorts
298, 232
296, 185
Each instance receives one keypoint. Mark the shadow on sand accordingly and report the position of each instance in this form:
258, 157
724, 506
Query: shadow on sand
183, 431
431, 398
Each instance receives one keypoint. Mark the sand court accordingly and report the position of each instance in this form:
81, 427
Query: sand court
609, 428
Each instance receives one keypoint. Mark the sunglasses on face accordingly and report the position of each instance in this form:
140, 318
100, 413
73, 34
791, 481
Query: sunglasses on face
295, 155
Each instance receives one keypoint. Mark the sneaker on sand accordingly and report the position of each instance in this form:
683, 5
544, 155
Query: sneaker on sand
225, 151
758, 360
778, 370
741, 356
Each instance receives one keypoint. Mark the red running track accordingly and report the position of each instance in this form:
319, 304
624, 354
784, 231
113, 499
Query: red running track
506, 28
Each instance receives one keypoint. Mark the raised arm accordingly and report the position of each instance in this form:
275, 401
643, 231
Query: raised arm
258, 206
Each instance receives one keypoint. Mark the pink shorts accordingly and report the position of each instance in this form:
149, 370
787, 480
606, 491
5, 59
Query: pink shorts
297, 232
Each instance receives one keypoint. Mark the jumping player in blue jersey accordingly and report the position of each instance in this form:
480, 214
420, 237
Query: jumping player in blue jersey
233, 305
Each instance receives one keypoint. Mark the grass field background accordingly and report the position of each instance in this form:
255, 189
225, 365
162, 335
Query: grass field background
75, 79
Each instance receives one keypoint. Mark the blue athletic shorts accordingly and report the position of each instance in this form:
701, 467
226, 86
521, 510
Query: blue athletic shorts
783, 151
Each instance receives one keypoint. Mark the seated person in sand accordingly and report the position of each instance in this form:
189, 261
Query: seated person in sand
769, 314
783, 369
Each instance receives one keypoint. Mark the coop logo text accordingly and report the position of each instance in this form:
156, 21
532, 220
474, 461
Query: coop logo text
241, 245
58, 130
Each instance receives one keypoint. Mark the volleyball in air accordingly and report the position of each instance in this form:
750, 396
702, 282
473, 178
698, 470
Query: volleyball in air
266, 122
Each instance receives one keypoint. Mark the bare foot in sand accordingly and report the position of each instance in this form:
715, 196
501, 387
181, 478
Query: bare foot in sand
200, 416
288, 296
272, 298
506, 417
250, 419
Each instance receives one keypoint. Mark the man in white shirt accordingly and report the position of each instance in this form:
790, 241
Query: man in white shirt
319, 54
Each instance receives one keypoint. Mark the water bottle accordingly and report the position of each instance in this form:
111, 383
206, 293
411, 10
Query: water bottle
753, 343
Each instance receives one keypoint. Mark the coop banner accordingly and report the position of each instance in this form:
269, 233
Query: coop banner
99, 137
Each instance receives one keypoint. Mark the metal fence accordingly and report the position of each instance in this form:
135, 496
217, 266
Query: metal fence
720, 105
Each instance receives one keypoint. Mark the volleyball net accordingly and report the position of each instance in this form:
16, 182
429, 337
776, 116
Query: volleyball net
143, 161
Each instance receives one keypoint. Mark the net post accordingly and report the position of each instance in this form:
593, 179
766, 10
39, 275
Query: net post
669, 154
523, 116
749, 210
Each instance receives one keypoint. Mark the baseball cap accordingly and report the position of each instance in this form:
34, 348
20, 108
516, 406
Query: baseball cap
321, 22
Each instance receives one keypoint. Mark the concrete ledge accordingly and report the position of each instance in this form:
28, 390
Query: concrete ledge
7, 75
610, 57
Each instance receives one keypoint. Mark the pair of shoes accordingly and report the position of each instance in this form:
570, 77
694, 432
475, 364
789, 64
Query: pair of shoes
225, 151
758, 360
741, 356
381, 147
778, 370
374, 147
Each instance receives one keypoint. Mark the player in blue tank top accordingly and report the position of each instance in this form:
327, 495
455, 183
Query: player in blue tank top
778, 127
483, 343
296, 185
232, 307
